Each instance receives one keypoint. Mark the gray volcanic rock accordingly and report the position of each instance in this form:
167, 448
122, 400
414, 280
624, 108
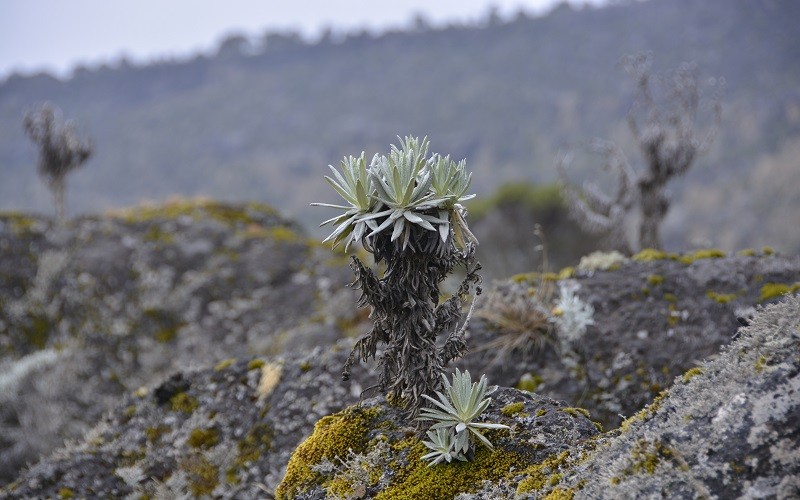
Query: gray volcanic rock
726, 429
731, 429
654, 319
227, 432
101, 306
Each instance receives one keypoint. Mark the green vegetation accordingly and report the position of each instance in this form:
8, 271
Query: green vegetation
224, 364
512, 409
454, 414
333, 437
691, 373
417, 480
153, 434
203, 438
257, 441
529, 382
772, 290
507, 220
203, 475
405, 208
255, 364
721, 298
708, 253
183, 402
650, 254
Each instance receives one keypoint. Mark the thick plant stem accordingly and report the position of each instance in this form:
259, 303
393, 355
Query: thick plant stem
408, 317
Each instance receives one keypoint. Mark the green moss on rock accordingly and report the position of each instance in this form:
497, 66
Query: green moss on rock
576, 411
255, 364
512, 409
529, 382
203, 438
203, 476
153, 434
773, 290
333, 437
183, 402
417, 480
708, 253
542, 475
66, 493
224, 364
257, 441
690, 374
650, 254
721, 298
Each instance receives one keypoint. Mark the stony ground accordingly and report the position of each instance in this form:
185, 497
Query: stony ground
216, 335
655, 317
98, 307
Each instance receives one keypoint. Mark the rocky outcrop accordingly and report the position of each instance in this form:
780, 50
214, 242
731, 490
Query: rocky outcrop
146, 311
100, 306
726, 429
729, 428
373, 451
655, 317
226, 432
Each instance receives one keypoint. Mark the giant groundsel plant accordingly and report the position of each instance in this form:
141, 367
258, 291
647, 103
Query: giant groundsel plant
406, 209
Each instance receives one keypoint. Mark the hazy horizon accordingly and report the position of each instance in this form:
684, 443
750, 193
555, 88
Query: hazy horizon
55, 37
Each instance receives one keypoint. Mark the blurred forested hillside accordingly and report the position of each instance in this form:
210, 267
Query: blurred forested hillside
263, 118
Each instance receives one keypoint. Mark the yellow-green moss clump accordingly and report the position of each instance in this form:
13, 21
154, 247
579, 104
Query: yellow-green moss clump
512, 409
203, 438
19, 223
225, 363
333, 437
644, 413
183, 402
761, 363
721, 298
166, 335
542, 475
257, 441
646, 455
153, 434
576, 412
196, 208
66, 493
691, 373
650, 254
709, 253
772, 290
203, 476
417, 480
655, 280
529, 382
255, 364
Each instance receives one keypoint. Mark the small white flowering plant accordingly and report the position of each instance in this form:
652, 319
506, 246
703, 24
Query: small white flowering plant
454, 413
405, 208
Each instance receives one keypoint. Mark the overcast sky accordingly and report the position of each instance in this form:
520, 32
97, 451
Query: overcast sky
55, 35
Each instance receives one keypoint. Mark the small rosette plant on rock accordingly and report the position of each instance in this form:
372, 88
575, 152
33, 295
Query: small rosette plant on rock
454, 415
405, 208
